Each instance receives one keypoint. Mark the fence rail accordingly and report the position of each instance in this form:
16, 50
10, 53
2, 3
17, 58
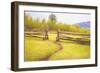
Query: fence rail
73, 33
60, 36
37, 34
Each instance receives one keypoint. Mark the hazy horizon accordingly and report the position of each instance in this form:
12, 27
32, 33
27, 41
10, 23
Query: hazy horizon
70, 18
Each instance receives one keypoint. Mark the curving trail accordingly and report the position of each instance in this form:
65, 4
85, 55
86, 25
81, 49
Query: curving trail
60, 48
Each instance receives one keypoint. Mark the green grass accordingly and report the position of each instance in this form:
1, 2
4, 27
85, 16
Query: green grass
37, 49
52, 36
72, 50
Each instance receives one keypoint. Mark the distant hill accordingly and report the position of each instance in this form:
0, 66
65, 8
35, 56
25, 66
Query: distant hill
84, 24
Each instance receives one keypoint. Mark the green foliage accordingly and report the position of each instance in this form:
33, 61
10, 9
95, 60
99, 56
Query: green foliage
52, 18
52, 24
28, 21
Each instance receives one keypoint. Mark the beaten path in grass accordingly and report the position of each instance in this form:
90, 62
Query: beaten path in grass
59, 46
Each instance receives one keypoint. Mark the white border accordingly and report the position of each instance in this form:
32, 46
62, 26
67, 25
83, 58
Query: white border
33, 64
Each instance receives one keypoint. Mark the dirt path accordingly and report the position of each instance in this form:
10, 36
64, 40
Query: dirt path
60, 48
52, 39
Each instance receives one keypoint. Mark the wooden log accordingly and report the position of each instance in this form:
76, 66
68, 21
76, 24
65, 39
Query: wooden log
34, 32
37, 34
58, 38
73, 33
79, 40
46, 34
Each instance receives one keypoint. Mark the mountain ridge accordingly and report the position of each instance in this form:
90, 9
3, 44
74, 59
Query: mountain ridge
84, 24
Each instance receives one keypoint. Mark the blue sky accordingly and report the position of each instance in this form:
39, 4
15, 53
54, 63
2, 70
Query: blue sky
70, 18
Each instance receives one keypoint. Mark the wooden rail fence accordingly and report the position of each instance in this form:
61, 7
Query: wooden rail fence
37, 33
61, 36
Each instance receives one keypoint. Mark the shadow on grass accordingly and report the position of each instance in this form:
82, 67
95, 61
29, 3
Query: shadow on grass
77, 42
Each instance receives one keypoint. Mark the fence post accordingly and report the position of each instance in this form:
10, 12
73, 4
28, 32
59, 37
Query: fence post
46, 34
58, 38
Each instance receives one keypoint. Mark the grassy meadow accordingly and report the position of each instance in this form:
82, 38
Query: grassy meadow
38, 49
